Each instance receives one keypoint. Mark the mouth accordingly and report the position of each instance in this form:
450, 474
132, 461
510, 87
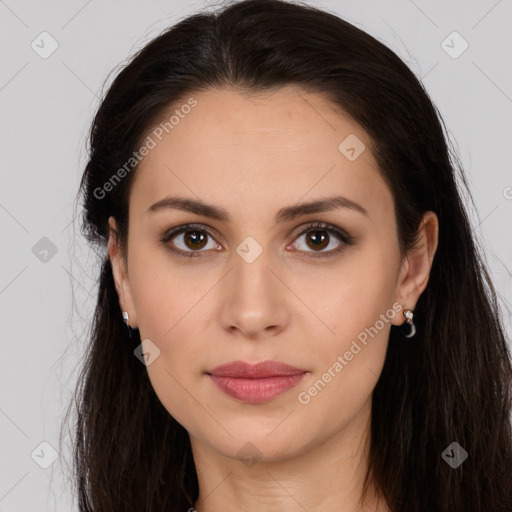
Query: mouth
255, 383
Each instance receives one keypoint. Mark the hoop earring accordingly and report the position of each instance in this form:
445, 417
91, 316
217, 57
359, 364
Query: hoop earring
408, 329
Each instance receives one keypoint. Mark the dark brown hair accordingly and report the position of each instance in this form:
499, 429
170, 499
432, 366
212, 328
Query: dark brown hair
452, 384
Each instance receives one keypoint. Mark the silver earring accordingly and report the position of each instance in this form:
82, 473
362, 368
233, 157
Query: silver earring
408, 329
126, 319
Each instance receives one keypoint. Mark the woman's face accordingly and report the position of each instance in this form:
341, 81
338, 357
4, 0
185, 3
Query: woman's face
261, 284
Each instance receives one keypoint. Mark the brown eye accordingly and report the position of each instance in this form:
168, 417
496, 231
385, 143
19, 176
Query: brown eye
317, 239
194, 239
188, 241
321, 236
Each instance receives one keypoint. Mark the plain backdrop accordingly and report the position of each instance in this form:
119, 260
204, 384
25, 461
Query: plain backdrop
46, 106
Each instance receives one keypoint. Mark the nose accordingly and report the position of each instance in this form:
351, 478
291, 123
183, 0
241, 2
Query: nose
254, 299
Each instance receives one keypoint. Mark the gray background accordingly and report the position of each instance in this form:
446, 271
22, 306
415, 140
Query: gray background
46, 106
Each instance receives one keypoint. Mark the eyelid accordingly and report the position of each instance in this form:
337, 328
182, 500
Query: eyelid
322, 225
190, 227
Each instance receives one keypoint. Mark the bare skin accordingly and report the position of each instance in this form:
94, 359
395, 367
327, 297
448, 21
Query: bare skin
253, 156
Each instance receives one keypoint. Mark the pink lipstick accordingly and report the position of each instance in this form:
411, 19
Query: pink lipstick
255, 383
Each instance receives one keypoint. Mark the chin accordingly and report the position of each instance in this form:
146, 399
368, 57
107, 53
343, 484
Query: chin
253, 443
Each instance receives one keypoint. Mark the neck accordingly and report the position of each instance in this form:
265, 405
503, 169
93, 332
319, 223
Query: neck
327, 477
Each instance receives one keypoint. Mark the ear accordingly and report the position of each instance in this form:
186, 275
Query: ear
415, 271
119, 270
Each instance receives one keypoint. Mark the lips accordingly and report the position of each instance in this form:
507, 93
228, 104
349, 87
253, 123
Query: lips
255, 383
240, 369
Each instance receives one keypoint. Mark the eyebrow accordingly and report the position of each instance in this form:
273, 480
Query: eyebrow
284, 214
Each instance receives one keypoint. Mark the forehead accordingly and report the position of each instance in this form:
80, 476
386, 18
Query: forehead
269, 150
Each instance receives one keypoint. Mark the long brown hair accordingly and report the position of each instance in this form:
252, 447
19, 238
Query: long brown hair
452, 384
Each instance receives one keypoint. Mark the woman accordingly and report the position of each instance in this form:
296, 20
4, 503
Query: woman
309, 323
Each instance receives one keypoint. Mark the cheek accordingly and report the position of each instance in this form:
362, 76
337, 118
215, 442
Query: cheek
357, 306
352, 297
165, 292
348, 362
167, 306
170, 304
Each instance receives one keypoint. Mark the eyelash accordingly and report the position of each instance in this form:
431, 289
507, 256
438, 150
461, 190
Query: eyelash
344, 237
